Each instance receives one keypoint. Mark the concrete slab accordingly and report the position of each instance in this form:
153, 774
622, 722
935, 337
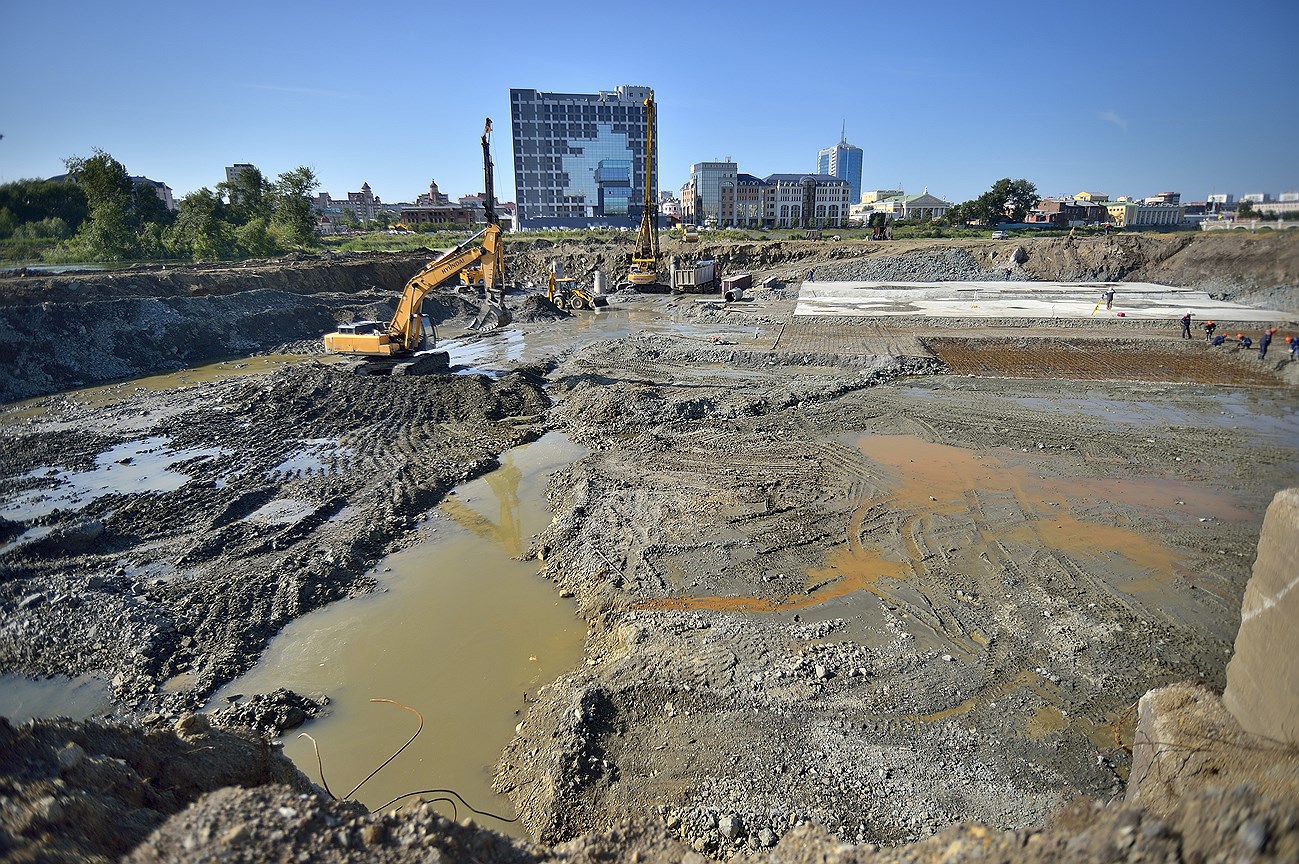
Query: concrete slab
1140, 300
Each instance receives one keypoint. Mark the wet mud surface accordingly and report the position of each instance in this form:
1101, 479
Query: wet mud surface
883, 604
826, 581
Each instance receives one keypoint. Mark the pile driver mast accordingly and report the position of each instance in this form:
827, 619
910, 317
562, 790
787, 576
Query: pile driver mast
644, 261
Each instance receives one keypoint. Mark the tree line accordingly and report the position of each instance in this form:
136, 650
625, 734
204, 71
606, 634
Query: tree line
98, 213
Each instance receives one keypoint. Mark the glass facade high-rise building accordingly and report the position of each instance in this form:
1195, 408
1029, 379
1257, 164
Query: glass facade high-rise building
843, 161
579, 158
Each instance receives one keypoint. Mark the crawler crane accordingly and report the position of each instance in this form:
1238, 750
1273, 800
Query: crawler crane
644, 261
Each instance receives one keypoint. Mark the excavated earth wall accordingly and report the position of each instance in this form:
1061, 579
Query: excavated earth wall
76, 329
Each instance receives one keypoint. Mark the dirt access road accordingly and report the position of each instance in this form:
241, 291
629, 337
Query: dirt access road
826, 582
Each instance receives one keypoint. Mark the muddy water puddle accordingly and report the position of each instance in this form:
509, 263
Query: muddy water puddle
460, 631
23, 698
146, 465
1265, 413
529, 343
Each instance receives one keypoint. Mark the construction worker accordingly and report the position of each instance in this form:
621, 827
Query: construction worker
1209, 327
1186, 325
1294, 346
1264, 341
1243, 341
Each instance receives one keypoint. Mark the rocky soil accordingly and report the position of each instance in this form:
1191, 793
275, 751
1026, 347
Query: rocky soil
836, 596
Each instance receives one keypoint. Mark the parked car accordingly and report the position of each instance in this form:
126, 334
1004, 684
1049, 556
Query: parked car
999, 235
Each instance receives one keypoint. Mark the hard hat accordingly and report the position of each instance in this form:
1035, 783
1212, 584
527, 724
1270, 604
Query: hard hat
1240, 335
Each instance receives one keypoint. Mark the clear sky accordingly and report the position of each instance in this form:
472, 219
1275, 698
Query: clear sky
1126, 98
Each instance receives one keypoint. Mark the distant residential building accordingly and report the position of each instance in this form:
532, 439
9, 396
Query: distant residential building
362, 206
1067, 212
1256, 198
1282, 207
233, 171
750, 200
162, 190
1221, 198
844, 161
1098, 197
805, 201
579, 158
1173, 198
873, 195
439, 214
1288, 197
900, 206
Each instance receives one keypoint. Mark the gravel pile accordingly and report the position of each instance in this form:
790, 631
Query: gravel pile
939, 265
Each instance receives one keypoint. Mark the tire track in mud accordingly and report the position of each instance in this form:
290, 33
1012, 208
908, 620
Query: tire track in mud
343, 463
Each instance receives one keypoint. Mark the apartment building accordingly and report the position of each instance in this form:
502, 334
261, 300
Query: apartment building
579, 158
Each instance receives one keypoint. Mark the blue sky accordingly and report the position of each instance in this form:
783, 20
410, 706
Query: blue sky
1127, 98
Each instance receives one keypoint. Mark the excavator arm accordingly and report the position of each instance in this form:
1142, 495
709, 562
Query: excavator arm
405, 326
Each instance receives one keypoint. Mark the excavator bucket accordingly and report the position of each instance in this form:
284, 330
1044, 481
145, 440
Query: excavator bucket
491, 316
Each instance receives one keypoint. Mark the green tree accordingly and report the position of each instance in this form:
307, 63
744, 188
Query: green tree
1007, 201
33, 200
108, 233
255, 239
249, 196
1245, 210
292, 207
201, 231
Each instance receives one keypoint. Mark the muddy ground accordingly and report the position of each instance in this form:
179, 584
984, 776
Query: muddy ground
827, 582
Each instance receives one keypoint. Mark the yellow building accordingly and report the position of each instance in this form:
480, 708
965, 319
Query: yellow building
1132, 214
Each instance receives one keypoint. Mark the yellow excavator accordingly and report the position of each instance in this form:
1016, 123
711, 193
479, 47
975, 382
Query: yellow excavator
565, 293
644, 261
404, 345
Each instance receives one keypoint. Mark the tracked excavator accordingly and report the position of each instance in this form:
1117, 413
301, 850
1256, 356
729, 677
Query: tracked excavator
644, 261
404, 345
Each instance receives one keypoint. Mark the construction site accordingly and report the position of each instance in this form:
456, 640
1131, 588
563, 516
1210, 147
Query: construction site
874, 561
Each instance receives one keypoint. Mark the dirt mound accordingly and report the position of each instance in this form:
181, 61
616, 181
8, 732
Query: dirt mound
93, 791
97, 792
536, 308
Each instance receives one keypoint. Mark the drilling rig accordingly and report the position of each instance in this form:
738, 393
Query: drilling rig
644, 261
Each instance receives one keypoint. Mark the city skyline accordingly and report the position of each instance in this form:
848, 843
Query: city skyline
949, 96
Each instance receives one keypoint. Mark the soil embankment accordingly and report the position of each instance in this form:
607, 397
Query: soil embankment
79, 329
835, 595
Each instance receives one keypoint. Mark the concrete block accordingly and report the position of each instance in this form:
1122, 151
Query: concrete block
1263, 675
